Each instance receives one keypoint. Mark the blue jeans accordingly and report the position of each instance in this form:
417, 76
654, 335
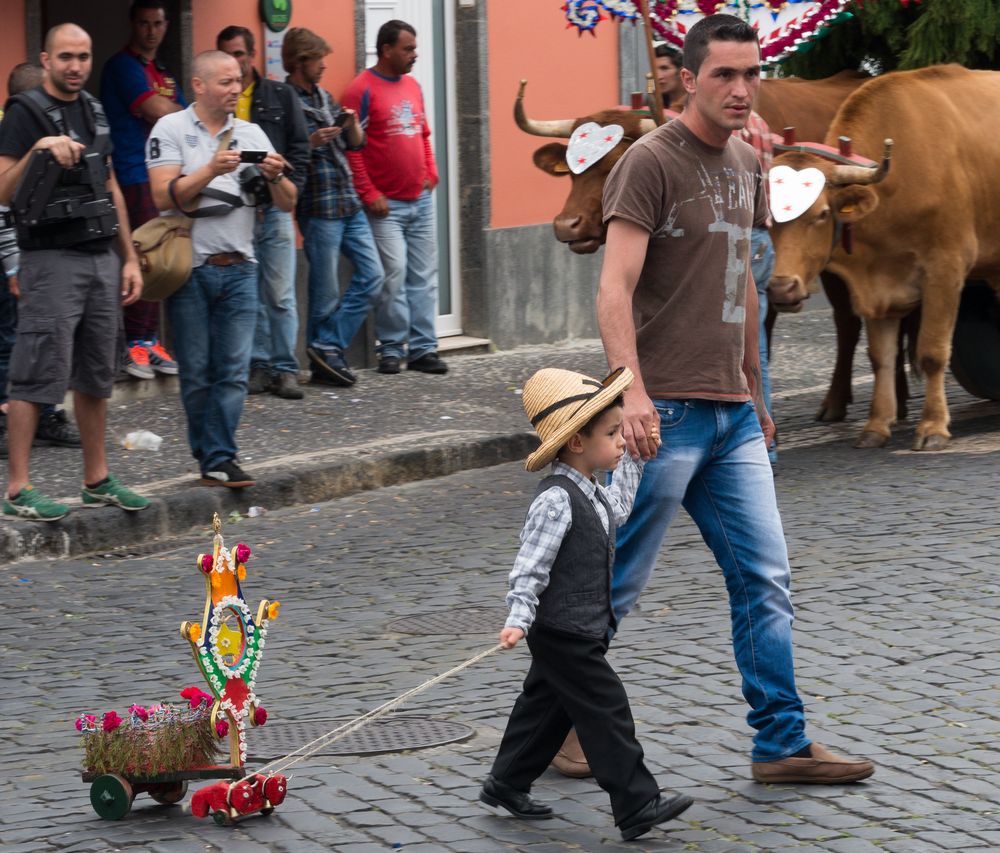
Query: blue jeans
277, 316
712, 461
335, 320
211, 317
407, 242
761, 267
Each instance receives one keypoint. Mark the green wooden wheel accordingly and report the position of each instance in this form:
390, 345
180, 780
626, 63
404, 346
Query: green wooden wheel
222, 818
111, 796
169, 793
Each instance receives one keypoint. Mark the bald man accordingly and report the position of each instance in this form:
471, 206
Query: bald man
77, 268
205, 149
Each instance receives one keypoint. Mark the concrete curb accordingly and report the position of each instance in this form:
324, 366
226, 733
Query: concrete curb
90, 530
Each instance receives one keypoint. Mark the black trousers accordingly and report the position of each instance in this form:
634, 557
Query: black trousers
571, 684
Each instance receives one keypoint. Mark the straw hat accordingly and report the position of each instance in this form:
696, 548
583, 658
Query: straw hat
560, 402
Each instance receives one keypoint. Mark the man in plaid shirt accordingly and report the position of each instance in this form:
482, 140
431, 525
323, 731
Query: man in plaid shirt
330, 215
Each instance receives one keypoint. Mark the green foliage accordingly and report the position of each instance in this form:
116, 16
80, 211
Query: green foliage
885, 35
137, 749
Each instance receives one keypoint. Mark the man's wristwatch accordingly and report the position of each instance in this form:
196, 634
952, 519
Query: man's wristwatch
277, 178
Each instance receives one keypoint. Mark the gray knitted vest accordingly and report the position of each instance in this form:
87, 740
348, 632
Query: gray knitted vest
578, 597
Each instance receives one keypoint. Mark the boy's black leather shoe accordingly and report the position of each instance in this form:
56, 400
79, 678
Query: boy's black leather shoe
518, 803
657, 810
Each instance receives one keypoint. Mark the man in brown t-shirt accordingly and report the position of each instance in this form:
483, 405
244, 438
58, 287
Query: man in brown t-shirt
678, 306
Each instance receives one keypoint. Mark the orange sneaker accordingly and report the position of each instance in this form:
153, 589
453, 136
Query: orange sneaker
159, 359
137, 362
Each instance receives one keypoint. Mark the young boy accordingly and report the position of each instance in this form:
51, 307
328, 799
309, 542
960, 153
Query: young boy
560, 598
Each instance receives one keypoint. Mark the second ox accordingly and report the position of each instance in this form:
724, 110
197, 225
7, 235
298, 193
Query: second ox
933, 222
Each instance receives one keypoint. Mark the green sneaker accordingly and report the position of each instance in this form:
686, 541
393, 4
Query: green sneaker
34, 505
114, 493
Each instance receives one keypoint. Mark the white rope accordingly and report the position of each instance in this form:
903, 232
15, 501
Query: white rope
279, 765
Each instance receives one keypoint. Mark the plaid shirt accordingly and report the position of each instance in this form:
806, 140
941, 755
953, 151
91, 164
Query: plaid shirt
329, 190
549, 518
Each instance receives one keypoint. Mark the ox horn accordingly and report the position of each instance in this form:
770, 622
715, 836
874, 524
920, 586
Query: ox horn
863, 174
563, 128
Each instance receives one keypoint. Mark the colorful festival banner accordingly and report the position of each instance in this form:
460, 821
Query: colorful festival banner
785, 26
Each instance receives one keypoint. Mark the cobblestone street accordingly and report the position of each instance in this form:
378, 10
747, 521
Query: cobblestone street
895, 557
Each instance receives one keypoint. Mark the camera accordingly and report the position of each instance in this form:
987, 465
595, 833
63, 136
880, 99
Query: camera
248, 155
254, 184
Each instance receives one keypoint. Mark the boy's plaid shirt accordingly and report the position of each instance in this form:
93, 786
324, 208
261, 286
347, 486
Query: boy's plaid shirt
549, 518
329, 190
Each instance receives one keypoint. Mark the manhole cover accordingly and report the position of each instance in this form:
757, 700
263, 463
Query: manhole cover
392, 734
475, 620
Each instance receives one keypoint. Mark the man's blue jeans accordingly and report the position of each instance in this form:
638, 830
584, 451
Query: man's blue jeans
277, 315
713, 463
212, 317
407, 242
335, 320
761, 267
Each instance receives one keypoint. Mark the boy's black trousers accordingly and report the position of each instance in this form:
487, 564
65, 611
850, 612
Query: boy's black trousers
571, 684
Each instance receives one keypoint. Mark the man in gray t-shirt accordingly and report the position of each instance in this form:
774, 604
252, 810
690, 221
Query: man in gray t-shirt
678, 306
213, 315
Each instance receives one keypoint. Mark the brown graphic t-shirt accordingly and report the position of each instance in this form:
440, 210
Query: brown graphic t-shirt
698, 204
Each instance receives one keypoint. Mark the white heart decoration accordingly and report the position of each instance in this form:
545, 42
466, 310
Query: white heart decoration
793, 191
589, 143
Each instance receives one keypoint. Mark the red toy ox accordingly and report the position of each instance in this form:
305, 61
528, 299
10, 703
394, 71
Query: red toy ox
231, 801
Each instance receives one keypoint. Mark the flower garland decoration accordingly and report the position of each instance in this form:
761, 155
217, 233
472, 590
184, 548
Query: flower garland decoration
784, 26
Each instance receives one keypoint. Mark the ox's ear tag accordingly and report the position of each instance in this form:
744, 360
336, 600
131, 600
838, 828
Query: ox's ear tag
589, 143
793, 191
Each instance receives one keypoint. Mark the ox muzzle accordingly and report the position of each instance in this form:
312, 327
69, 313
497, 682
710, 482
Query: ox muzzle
581, 236
787, 293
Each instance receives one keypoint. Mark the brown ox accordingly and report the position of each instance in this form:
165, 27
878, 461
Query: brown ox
809, 105
933, 222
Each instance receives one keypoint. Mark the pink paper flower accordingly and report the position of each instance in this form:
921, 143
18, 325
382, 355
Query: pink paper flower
221, 728
111, 721
206, 563
88, 721
197, 697
140, 712
260, 716
242, 553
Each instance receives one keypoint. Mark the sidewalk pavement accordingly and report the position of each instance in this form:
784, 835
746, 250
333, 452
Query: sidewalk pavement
383, 431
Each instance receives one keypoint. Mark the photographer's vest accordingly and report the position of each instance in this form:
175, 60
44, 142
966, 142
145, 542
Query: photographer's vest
578, 597
57, 208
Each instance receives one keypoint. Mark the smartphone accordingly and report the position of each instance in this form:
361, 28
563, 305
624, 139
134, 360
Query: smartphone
341, 119
248, 155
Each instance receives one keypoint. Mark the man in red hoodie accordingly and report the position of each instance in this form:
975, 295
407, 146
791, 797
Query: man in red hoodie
394, 176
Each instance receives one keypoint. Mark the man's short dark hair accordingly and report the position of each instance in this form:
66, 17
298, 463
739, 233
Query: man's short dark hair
389, 32
147, 4
233, 32
671, 53
714, 28
24, 76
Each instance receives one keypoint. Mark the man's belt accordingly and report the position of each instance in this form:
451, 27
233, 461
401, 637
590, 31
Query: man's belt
225, 259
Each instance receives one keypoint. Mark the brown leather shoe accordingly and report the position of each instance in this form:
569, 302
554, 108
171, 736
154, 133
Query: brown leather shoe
570, 760
823, 768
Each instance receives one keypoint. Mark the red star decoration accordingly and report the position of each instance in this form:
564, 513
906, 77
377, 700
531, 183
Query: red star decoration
608, 138
584, 135
779, 180
787, 207
807, 183
582, 160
